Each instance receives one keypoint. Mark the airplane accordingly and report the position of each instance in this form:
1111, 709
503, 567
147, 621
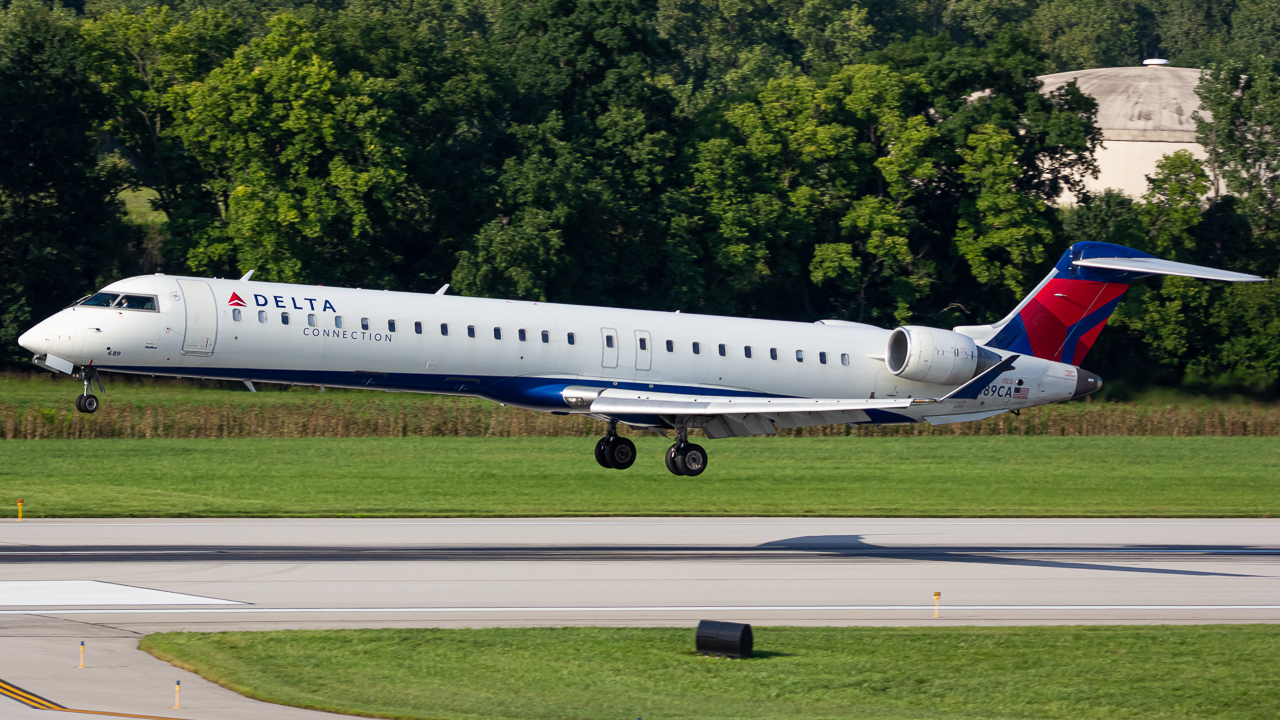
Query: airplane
665, 371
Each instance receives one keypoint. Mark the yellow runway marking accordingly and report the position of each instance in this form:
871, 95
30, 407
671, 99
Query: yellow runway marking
32, 700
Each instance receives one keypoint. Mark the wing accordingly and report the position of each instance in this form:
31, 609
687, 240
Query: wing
720, 416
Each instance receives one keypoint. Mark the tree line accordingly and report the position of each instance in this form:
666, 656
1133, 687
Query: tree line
884, 162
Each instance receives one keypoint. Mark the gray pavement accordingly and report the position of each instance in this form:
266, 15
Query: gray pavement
625, 571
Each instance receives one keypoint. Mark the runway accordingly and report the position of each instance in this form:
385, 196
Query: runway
262, 574
109, 582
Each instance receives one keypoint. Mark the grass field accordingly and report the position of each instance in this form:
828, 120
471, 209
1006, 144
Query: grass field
34, 407
476, 477
1214, 671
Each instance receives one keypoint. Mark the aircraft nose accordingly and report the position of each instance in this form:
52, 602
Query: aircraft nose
1086, 383
38, 339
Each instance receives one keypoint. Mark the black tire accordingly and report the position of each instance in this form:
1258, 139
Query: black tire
691, 459
620, 452
600, 453
670, 457
80, 403
89, 404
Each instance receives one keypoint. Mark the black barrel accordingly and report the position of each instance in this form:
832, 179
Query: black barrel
724, 638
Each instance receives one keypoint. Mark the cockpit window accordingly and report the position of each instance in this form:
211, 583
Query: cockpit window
101, 299
137, 302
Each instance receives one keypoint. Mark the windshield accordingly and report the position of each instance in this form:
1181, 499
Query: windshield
137, 302
101, 299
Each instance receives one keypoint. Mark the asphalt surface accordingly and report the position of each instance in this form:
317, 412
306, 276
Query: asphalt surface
108, 582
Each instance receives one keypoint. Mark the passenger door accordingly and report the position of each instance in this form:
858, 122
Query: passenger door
202, 318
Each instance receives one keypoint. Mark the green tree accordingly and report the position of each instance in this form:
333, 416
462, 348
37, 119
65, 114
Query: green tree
60, 229
137, 59
581, 196
730, 47
1241, 108
1082, 34
1002, 231
300, 157
1173, 204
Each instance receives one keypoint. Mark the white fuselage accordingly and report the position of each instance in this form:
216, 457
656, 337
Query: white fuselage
394, 341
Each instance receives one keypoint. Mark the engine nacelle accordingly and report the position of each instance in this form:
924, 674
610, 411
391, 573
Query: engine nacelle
931, 355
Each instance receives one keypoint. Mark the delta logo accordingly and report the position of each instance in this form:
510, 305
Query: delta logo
237, 301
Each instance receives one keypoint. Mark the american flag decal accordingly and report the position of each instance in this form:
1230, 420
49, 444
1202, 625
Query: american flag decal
1021, 393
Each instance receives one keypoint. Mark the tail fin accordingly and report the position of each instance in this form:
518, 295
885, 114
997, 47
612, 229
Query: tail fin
1063, 316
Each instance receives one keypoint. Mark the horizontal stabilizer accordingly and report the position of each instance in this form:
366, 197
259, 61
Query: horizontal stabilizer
1156, 266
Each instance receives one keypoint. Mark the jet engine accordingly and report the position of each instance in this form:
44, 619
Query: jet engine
931, 355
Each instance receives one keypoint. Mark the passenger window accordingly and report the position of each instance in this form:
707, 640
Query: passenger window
570, 338
844, 358
644, 344
523, 336
235, 314
311, 320
671, 346
697, 349
546, 336
722, 350
262, 316
747, 351
799, 356
444, 328
773, 353
364, 323
391, 326
417, 328
284, 318
337, 321
822, 358
497, 333
471, 331
608, 341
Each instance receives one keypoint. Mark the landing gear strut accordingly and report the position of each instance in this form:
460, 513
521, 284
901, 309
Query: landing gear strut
615, 452
88, 403
686, 458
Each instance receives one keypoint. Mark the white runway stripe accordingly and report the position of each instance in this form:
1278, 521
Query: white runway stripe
630, 609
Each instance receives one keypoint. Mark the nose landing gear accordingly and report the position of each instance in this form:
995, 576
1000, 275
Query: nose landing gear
88, 403
614, 451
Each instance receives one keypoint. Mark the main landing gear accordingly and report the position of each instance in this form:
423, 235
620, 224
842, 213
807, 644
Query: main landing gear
619, 453
614, 451
88, 403
686, 458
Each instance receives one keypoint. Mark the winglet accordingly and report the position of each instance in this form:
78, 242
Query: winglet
247, 276
973, 388
443, 289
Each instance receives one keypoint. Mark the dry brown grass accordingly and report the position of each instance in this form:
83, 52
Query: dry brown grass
458, 417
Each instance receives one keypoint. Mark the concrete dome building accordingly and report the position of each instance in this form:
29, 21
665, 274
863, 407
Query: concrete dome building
1144, 114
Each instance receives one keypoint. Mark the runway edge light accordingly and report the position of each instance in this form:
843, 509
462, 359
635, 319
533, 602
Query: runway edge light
724, 638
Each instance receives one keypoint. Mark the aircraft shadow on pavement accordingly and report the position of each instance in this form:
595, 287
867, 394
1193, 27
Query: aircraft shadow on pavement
854, 546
